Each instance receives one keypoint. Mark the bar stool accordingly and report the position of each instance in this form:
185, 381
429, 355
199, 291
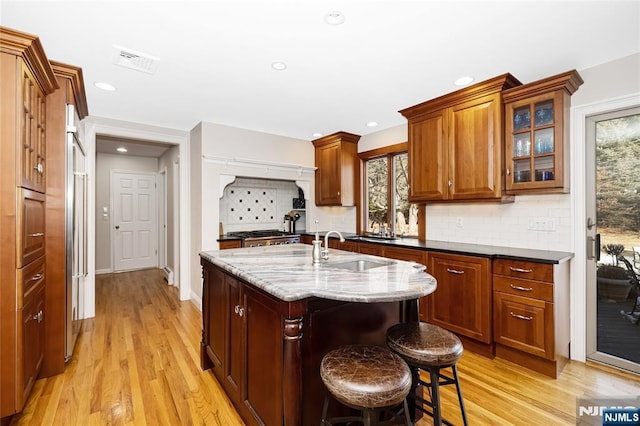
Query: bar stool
368, 378
430, 348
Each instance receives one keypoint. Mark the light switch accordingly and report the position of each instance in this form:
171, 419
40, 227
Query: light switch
105, 209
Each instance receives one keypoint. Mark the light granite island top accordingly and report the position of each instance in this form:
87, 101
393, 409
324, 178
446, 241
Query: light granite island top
287, 272
270, 315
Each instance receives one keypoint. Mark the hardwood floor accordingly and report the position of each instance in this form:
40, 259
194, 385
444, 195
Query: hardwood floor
138, 363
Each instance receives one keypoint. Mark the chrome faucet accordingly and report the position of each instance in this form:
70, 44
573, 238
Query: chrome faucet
324, 253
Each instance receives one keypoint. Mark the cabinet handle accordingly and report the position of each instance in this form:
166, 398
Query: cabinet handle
508, 171
455, 271
37, 234
524, 271
522, 317
517, 287
241, 312
338, 193
450, 183
36, 277
38, 168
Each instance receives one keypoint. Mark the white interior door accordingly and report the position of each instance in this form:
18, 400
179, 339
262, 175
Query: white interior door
135, 229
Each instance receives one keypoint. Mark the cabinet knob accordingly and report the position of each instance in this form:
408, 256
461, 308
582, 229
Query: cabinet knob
450, 183
36, 277
38, 168
508, 171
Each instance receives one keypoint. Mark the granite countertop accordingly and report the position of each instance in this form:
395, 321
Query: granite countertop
496, 252
287, 272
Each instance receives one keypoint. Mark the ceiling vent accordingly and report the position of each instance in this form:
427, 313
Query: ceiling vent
135, 60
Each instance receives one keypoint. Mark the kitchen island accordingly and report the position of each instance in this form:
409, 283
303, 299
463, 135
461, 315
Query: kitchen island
270, 315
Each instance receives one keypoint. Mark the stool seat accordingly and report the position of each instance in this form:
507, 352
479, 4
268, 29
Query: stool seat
424, 345
366, 376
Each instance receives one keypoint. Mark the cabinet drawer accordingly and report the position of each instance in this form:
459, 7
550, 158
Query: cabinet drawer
408, 255
523, 269
30, 238
525, 288
28, 278
524, 323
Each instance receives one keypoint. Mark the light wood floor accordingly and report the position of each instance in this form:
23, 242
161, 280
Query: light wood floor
137, 362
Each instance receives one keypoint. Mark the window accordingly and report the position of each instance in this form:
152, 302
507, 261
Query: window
386, 194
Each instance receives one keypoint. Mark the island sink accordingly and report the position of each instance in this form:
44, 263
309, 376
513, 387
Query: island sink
360, 265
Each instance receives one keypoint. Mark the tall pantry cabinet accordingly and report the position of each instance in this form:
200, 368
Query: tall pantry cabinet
27, 78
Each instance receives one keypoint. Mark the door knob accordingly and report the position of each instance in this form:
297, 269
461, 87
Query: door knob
117, 226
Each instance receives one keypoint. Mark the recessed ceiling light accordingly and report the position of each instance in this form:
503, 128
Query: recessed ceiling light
279, 66
372, 124
104, 86
463, 80
121, 149
317, 135
334, 18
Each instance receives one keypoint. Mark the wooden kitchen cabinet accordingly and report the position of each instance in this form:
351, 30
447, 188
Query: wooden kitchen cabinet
336, 161
537, 134
238, 323
531, 314
27, 78
230, 244
462, 301
456, 144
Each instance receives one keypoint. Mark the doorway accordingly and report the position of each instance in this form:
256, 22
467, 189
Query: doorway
613, 230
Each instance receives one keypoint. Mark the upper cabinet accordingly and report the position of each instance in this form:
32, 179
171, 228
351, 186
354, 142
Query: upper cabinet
336, 160
537, 134
456, 144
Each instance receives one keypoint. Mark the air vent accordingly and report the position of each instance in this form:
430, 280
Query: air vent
134, 60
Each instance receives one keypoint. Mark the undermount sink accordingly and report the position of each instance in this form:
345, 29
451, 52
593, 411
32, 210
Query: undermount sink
361, 265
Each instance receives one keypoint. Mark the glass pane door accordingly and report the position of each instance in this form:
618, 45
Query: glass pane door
615, 333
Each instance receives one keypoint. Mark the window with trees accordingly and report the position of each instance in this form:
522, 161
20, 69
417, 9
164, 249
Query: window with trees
386, 193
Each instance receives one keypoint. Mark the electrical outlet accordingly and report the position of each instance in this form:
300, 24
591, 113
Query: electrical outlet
541, 224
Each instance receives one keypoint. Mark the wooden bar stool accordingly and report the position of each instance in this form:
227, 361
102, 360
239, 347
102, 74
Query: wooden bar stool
430, 348
368, 378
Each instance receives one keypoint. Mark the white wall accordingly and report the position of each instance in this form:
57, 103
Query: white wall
166, 162
105, 163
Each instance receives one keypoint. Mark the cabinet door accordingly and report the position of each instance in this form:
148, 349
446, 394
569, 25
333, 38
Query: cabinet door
235, 355
31, 226
462, 300
475, 152
328, 175
32, 133
30, 343
428, 157
263, 393
525, 324
218, 317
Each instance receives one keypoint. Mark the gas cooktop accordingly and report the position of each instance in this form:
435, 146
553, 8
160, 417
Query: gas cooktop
260, 233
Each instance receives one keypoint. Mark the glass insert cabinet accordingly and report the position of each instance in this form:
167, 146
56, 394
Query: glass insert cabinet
537, 134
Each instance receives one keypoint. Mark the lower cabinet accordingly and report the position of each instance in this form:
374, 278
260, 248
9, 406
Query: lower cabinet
462, 300
32, 341
239, 323
531, 309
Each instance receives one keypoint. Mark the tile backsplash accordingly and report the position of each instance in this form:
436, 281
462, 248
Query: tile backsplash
250, 204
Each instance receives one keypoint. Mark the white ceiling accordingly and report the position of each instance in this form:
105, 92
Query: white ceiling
216, 56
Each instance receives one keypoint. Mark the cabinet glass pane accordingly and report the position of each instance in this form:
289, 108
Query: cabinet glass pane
544, 141
521, 118
544, 113
521, 171
544, 168
522, 144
